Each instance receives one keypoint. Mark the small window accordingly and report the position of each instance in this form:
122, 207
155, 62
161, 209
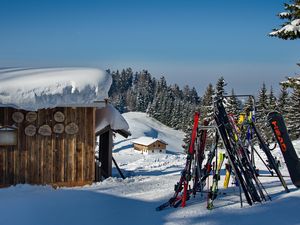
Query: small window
8, 136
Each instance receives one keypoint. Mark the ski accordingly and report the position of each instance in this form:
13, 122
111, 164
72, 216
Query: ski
212, 195
227, 175
271, 160
182, 192
288, 151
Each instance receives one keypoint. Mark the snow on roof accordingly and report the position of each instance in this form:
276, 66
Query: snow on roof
36, 88
109, 116
147, 141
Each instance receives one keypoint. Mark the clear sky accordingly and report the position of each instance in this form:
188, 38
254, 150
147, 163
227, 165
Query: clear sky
189, 41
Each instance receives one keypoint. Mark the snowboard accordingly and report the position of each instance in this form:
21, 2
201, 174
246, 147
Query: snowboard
290, 156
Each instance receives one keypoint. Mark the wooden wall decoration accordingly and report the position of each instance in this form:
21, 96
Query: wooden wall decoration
18, 117
58, 128
59, 160
31, 117
8, 137
45, 130
30, 130
59, 117
72, 128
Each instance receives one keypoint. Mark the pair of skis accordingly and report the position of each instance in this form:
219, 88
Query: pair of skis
212, 194
195, 154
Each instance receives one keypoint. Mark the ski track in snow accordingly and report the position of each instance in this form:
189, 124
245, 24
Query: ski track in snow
149, 183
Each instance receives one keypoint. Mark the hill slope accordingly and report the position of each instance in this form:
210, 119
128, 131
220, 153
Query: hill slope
142, 125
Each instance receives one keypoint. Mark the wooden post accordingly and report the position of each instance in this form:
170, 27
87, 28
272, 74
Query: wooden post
105, 153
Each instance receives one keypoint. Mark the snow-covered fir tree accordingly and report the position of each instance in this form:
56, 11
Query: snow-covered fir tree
207, 108
144, 90
249, 105
262, 111
293, 109
290, 29
271, 106
294, 114
233, 105
283, 101
220, 87
272, 101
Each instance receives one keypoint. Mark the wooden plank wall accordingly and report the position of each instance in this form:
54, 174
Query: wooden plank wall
59, 159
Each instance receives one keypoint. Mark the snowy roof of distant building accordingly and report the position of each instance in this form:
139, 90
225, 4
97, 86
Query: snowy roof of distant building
110, 116
37, 88
147, 141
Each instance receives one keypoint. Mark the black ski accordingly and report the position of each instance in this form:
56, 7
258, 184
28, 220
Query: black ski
290, 156
270, 157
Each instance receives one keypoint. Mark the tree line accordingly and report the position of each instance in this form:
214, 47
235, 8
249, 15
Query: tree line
175, 106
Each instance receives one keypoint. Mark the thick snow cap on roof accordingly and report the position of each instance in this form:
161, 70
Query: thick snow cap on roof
146, 141
36, 88
110, 116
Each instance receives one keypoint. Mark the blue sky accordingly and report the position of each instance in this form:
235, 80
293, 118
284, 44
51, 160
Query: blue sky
189, 41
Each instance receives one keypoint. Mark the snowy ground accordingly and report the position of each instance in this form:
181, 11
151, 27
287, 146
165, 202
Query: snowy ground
150, 182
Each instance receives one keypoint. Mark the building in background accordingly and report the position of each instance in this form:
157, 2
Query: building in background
148, 145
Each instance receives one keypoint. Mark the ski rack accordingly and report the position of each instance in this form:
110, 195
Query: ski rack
238, 156
264, 146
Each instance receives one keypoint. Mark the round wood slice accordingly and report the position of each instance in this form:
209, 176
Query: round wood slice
58, 128
31, 117
45, 130
72, 128
30, 130
59, 117
18, 117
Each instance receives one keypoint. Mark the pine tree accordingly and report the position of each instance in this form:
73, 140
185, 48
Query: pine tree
144, 90
233, 105
207, 108
220, 87
291, 28
249, 105
262, 110
271, 106
283, 101
294, 114
272, 101
284, 107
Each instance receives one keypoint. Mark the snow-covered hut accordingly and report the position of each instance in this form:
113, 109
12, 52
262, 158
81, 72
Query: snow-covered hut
149, 145
48, 121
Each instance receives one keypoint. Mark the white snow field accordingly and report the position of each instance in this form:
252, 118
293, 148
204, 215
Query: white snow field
150, 182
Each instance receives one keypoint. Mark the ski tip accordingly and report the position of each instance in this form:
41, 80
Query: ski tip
210, 206
272, 114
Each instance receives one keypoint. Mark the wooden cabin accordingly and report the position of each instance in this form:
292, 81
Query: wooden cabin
48, 146
51, 138
148, 145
